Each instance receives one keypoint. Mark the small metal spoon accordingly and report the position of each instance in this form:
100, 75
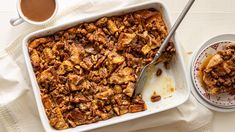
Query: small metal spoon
144, 72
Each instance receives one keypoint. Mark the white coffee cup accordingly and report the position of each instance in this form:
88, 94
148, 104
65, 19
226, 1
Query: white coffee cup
22, 18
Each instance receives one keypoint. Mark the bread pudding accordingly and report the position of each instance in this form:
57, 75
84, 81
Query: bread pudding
87, 73
219, 73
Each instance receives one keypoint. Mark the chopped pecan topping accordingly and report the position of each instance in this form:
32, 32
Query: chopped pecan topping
159, 72
155, 97
136, 108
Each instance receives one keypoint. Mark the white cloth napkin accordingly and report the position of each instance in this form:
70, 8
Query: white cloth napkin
18, 111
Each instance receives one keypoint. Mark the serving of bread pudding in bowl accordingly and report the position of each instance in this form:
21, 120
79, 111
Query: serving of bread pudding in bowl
219, 73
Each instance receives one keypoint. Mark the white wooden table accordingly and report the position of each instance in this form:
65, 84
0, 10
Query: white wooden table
206, 19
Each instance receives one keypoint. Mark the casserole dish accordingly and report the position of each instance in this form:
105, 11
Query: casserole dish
176, 72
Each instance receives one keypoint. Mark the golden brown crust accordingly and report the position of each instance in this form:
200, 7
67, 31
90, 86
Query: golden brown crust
87, 73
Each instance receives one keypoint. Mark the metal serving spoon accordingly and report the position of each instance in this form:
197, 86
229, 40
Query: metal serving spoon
144, 72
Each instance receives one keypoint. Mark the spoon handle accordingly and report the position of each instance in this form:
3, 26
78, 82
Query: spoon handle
173, 29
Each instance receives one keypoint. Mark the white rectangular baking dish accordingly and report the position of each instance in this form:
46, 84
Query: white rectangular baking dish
177, 72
